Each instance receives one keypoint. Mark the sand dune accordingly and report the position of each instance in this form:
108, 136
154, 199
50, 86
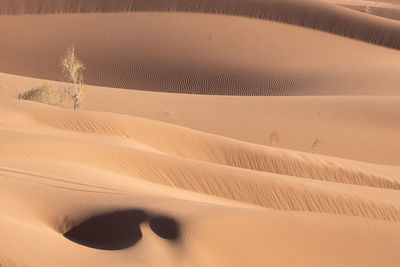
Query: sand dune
225, 222
387, 12
211, 133
313, 14
337, 124
200, 156
267, 58
130, 150
388, 9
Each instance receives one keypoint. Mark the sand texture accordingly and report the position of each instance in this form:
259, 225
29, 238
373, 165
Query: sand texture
211, 133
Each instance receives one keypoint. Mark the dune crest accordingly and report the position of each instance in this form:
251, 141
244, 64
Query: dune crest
181, 163
313, 14
208, 133
266, 58
136, 173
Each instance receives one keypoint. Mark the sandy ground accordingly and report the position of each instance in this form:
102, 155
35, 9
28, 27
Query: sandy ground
384, 8
224, 139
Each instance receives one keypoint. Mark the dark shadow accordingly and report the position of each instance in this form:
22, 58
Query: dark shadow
165, 227
111, 231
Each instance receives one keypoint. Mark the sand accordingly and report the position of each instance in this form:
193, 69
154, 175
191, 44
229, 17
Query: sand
267, 58
314, 14
210, 134
387, 9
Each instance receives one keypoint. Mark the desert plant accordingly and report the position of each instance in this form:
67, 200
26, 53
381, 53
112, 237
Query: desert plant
73, 69
44, 94
368, 10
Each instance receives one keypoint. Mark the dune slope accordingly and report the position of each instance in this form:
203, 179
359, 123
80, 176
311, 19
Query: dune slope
147, 172
266, 58
388, 9
313, 14
334, 126
254, 133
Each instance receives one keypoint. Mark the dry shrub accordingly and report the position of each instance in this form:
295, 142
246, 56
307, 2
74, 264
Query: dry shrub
73, 69
44, 94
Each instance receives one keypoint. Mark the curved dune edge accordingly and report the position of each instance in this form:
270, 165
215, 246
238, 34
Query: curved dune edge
153, 179
267, 58
386, 12
307, 13
230, 224
161, 137
60, 169
337, 123
197, 162
382, 8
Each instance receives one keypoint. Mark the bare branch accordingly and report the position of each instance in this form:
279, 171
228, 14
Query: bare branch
73, 68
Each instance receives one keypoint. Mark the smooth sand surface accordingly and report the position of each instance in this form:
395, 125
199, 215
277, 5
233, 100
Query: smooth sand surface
62, 167
339, 124
383, 8
224, 139
263, 57
315, 14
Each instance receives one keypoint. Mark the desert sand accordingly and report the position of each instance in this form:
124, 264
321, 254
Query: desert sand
211, 133
388, 9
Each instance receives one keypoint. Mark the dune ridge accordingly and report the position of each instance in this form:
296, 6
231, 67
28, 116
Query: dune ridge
339, 122
281, 60
105, 164
208, 164
254, 133
308, 13
390, 12
211, 218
